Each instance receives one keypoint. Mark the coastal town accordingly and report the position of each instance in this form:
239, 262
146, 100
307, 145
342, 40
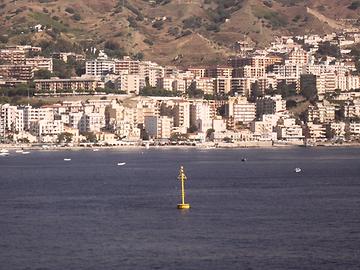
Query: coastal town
298, 90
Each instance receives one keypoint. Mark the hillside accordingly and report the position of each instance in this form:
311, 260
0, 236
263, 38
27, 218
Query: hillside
169, 31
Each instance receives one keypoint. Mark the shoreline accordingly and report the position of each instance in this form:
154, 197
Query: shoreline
243, 145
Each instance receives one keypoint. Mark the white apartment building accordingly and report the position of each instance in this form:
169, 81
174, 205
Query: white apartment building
12, 118
151, 71
36, 114
352, 108
354, 129
323, 112
325, 83
200, 115
289, 131
40, 62
75, 119
347, 82
130, 83
298, 56
316, 131
288, 70
336, 130
182, 115
46, 128
241, 110
205, 84
92, 122
99, 67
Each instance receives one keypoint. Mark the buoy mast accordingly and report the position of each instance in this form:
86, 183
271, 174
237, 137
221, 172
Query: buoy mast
182, 178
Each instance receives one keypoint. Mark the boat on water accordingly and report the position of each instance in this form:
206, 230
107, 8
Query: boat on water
67, 159
25, 153
121, 163
19, 151
297, 170
95, 150
244, 159
4, 151
4, 154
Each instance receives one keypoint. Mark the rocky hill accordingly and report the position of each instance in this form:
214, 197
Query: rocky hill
178, 32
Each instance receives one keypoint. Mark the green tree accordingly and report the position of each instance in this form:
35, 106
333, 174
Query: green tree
65, 137
43, 74
255, 91
90, 136
209, 132
193, 92
329, 49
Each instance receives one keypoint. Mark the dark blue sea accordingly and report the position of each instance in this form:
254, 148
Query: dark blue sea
89, 213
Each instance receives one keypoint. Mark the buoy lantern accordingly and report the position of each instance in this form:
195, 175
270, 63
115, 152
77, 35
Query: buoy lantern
182, 178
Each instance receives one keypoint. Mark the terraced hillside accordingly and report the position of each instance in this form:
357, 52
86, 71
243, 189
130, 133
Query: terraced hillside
168, 31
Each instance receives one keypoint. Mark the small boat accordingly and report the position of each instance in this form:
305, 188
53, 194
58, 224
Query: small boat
67, 159
25, 153
95, 150
243, 159
4, 154
19, 151
4, 151
121, 163
297, 170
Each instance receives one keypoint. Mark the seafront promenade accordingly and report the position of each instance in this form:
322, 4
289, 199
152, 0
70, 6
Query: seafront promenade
257, 144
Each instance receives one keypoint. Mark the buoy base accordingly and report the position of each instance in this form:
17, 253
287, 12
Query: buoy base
183, 206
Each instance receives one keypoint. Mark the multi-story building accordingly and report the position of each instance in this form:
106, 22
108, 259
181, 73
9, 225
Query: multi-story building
354, 130
66, 56
316, 131
205, 84
241, 110
79, 84
270, 105
298, 56
249, 72
347, 82
92, 122
159, 127
198, 72
335, 130
323, 112
130, 83
255, 61
200, 115
40, 63
288, 70
20, 72
36, 114
222, 85
288, 130
12, 118
182, 115
151, 71
127, 65
13, 56
100, 66
219, 72
241, 86
46, 128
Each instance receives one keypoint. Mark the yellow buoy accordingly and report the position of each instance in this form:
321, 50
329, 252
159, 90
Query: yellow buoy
182, 178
